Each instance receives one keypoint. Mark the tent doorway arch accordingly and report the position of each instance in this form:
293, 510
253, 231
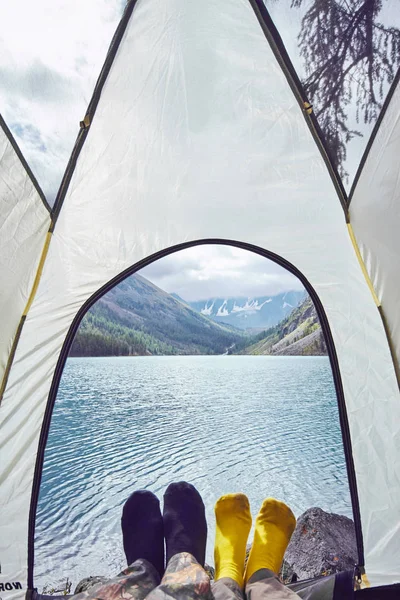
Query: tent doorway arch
344, 425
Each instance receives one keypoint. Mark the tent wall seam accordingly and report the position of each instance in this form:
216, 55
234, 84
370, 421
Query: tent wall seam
362, 264
376, 300
373, 135
24, 163
278, 48
39, 272
344, 424
28, 305
11, 356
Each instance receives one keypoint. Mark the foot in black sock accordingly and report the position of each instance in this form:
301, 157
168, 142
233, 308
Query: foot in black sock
185, 526
143, 529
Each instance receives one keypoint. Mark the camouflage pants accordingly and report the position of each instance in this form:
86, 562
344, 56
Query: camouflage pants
185, 579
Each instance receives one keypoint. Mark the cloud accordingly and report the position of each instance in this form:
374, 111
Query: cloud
38, 83
205, 272
31, 135
52, 52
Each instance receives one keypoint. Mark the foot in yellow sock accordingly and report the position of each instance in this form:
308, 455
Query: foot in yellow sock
232, 513
275, 524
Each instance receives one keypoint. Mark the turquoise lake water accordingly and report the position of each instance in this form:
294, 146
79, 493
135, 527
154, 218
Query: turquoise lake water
266, 426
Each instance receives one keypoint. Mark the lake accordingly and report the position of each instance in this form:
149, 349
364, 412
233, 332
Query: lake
263, 425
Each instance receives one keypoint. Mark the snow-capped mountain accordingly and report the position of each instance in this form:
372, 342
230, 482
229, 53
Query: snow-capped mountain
249, 313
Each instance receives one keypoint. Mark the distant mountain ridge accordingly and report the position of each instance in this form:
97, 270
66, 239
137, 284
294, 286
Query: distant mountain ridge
248, 313
298, 334
138, 318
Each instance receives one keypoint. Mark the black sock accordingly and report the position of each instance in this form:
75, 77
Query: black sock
143, 529
185, 526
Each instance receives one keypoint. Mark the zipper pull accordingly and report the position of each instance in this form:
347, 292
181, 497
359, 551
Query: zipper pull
358, 571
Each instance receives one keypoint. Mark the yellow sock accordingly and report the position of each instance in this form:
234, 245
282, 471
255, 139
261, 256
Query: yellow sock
275, 524
233, 517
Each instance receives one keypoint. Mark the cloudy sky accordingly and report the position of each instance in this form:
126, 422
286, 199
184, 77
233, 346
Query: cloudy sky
205, 272
51, 53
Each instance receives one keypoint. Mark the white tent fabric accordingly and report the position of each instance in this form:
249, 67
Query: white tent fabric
24, 222
198, 135
375, 214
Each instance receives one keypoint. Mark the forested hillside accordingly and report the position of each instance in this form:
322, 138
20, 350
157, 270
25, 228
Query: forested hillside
298, 334
137, 318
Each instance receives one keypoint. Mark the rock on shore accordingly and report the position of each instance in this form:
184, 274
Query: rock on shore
322, 543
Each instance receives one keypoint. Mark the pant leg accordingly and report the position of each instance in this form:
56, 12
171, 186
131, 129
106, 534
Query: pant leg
227, 589
264, 585
319, 589
184, 579
134, 583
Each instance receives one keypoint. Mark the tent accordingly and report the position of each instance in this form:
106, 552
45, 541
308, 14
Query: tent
200, 131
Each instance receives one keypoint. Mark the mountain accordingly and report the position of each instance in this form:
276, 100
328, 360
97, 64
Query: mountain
249, 313
298, 334
137, 318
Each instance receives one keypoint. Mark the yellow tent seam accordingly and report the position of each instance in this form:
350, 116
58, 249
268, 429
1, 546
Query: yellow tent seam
11, 358
38, 275
362, 264
39, 272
